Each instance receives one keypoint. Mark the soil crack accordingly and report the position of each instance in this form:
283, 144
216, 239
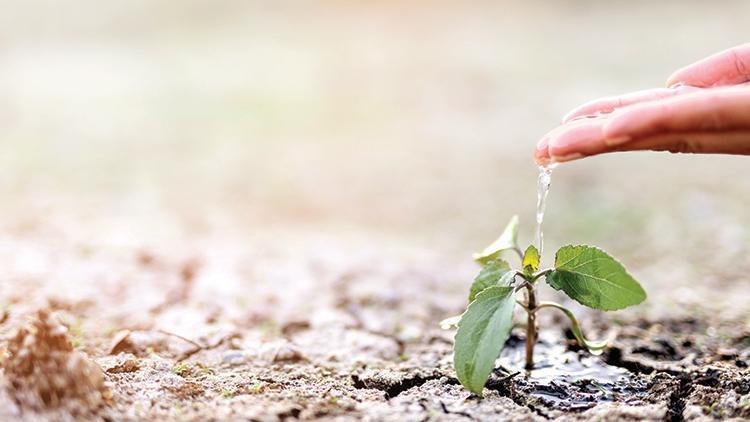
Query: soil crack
678, 398
392, 388
507, 387
445, 410
614, 356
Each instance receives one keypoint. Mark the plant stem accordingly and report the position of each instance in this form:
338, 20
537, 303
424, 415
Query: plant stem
541, 274
594, 347
530, 325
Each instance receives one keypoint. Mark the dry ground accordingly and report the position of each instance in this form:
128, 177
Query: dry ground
245, 211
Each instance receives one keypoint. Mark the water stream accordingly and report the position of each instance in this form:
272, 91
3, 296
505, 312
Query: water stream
543, 182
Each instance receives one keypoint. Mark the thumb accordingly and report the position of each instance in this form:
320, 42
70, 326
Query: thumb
728, 67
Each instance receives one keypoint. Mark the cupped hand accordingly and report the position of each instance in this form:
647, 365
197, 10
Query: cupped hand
706, 109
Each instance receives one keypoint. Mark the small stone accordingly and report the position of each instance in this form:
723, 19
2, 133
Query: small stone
725, 353
234, 358
292, 327
121, 343
287, 353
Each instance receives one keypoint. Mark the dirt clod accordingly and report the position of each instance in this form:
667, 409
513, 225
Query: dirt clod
43, 370
124, 364
186, 389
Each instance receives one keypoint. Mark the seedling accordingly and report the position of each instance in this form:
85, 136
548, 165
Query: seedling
180, 369
585, 273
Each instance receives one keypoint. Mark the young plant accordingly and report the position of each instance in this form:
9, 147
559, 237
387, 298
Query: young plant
585, 273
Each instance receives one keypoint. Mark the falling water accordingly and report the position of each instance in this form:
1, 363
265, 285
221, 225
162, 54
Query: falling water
545, 176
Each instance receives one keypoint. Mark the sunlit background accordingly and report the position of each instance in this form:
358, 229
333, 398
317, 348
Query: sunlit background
405, 123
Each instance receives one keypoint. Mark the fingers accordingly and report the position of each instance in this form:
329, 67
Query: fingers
573, 140
732, 142
694, 122
725, 68
705, 111
661, 119
609, 104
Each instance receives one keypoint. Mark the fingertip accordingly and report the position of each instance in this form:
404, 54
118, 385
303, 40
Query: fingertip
542, 160
691, 75
681, 82
541, 153
569, 116
589, 109
675, 80
573, 115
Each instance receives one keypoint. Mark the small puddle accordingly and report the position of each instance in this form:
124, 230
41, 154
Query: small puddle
566, 379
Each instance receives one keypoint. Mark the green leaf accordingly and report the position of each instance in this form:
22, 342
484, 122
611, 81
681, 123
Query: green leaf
492, 274
508, 240
595, 279
482, 333
530, 260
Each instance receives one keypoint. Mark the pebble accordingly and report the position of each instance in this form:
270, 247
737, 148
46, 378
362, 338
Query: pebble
234, 358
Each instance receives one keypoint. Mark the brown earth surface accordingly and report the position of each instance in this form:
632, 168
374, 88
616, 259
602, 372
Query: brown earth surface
261, 210
324, 329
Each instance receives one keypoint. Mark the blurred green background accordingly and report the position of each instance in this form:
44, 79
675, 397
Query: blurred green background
414, 121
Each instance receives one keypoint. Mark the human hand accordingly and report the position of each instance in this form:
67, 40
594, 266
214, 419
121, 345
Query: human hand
706, 109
